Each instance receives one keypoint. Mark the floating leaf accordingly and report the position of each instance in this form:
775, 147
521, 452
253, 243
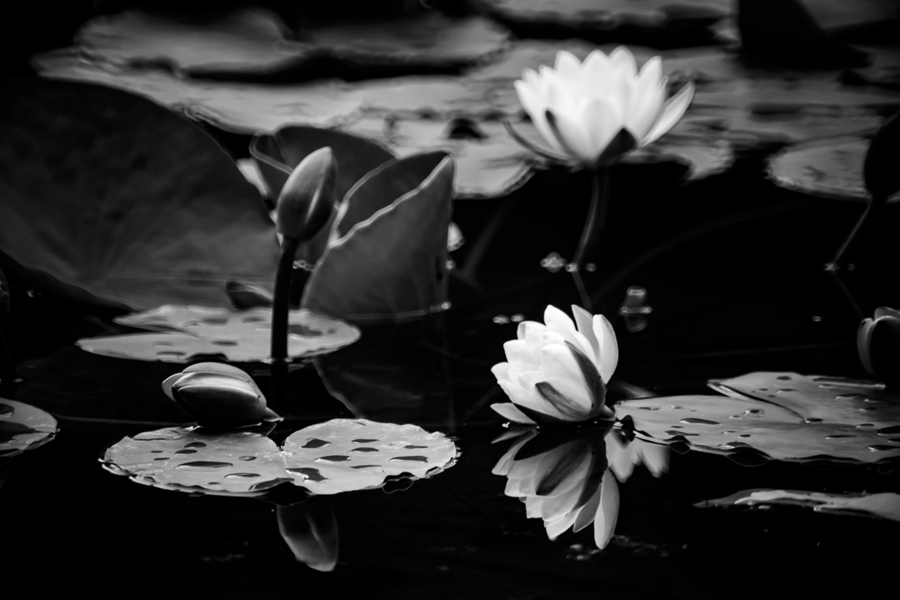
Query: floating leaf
832, 168
341, 455
256, 42
388, 256
190, 332
662, 21
149, 209
783, 426
23, 427
882, 506
817, 398
246, 41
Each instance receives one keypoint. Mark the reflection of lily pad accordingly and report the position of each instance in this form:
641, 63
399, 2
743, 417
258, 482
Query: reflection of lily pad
836, 423
340, 455
23, 427
149, 209
189, 332
884, 506
831, 168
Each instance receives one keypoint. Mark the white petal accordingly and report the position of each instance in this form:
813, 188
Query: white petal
574, 134
559, 526
647, 101
597, 70
511, 413
557, 362
501, 371
671, 113
655, 456
535, 105
587, 512
608, 356
568, 66
623, 63
608, 511
602, 122
586, 328
518, 353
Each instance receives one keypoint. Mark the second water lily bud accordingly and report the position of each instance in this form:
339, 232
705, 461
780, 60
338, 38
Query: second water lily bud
308, 197
219, 395
556, 372
878, 343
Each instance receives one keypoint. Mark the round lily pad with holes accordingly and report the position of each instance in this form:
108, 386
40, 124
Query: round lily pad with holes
149, 209
881, 506
784, 426
832, 168
340, 455
23, 427
186, 333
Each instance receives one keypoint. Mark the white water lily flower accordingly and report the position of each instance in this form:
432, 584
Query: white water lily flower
594, 111
556, 372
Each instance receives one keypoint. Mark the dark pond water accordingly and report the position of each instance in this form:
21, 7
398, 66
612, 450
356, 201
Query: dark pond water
733, 268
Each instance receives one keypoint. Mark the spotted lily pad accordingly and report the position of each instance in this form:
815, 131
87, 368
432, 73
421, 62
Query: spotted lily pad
186, 333
833, 422
340, 455
149, 209
23, 427
882, 506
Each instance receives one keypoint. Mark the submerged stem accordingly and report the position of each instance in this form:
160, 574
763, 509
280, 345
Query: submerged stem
867, 216
596, 216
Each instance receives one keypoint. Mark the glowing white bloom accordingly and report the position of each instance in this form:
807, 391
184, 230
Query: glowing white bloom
556, 372
596, 110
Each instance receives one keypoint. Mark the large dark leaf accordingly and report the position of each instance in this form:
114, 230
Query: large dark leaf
389, 254
121, 201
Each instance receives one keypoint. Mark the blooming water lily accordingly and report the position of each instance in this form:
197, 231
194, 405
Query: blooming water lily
594, 111
556, 372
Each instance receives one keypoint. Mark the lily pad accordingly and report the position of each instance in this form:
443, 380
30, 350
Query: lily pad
245, 41
23, 427
187, 333
785, 425
662, 21
830, 168
881, 506
256, 42
341, 455
388, 257
149, 210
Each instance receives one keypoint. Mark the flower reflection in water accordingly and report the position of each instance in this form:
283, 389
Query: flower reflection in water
311, 532
571, 481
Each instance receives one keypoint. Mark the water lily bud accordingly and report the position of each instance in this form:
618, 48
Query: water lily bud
878, 343
308, 197
595, 111
219, 395
556, 372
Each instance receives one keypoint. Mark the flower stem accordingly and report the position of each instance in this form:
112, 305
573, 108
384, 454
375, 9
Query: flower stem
596, 216
281, 303
872, 208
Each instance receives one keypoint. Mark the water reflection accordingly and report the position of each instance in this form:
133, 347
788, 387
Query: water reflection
311, 532
572, 480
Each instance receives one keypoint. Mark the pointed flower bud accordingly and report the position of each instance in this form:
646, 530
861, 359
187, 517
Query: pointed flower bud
878, 343
556, 372
219, 395
308, 197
